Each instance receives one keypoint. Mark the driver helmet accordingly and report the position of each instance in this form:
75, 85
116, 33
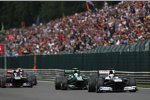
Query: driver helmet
111, 74
76, 70
16, 70
20, 69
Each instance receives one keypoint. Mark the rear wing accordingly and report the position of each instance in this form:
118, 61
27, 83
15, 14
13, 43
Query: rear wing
68, 72
104, 73
10, 71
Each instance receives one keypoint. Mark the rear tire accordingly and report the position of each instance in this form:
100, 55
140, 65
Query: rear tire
58, 82
92, 84
64, 84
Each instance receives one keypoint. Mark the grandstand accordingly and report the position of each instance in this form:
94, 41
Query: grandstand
114, 36
124, 24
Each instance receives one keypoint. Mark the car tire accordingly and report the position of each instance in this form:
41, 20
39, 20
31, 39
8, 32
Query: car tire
100, 83
132, 82
34, 79
3, 82
92, 84
30, 81
58, 82
64, 84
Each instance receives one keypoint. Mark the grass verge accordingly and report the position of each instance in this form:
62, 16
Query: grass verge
143, 85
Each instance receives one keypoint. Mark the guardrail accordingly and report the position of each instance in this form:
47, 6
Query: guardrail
50, 74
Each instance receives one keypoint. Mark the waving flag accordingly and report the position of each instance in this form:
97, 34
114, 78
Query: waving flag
34, 67
1, 49
87, 6
90, 5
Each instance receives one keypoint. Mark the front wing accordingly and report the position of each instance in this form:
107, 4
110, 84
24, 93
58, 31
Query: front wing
126, 88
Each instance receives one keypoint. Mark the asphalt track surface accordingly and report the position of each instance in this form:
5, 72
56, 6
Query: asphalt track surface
46, 91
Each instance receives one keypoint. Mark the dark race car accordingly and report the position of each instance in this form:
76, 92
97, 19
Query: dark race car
72, 79
107, 81
17, 79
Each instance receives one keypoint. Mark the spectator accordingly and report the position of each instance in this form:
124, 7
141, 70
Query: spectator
125, 23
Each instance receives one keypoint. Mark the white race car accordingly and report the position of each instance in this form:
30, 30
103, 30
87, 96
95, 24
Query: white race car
107, 81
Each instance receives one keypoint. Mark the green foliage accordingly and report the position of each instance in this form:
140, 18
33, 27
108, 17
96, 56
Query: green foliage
2, 28
50, 10
15, 12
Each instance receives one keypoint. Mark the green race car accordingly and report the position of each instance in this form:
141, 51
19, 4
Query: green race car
72, 79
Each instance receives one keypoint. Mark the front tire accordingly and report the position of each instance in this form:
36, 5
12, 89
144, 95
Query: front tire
30, 81
100, 83
132, 82
3, 82
34, 79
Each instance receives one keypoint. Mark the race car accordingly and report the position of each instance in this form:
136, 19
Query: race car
72, 79
15, 78
108, 81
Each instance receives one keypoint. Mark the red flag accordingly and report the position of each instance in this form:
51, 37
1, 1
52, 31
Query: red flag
34, 67
10, 37
91, 3
87, 6
91, 6
1, 49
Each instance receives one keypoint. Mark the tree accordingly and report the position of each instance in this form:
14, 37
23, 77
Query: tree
13, 13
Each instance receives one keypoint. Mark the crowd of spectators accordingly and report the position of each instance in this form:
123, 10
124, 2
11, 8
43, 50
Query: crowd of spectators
124, 23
